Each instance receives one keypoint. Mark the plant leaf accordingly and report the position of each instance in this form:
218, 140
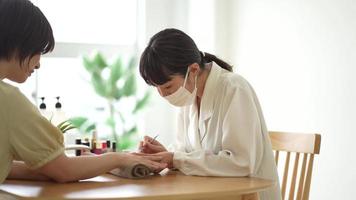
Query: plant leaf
116, 71
68, 128
62, 123
126, 142
141, 103
132, 63
116, 93
83, 124
88, 64
78, 121
99, 85
99, 61
130, 86
131, 132
110, 122
90, 128
64, 126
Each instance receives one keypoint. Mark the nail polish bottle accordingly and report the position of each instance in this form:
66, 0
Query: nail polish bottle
78, 152
114, 146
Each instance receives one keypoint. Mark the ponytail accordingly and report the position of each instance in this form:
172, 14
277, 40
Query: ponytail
207, 57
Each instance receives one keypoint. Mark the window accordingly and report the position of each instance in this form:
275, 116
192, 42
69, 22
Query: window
80, 27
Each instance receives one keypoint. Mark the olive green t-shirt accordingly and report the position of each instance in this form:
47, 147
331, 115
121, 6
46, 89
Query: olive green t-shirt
24, 134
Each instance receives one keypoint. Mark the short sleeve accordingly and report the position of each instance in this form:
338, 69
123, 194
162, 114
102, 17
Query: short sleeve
33, 138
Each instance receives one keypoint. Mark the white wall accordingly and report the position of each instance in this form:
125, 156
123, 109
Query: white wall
300, 56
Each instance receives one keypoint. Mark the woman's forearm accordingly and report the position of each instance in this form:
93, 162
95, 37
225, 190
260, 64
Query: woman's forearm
19, 170
67, 169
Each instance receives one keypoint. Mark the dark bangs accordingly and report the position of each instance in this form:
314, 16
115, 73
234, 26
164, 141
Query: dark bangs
24, 30
44, 36
40, 36
155, 70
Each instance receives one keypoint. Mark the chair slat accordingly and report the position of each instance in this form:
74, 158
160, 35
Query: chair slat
285, 175
276, 157
301, 179
308, 178
294, 177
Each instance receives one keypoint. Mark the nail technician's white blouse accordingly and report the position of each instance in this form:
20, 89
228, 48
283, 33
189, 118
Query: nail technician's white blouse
229, 137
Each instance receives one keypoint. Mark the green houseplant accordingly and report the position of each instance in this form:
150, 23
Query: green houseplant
119, 84
65, 126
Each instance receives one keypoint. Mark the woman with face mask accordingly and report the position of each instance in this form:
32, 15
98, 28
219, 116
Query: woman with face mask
221, 130
30, 146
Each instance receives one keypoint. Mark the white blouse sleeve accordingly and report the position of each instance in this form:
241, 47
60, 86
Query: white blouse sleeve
242, 145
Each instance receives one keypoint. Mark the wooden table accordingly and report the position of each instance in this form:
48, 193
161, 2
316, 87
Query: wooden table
168, 186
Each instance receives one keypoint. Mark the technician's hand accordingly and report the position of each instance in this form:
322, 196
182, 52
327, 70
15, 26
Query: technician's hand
162, 157
150, 146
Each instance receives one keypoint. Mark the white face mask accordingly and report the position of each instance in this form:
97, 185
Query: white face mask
182, 97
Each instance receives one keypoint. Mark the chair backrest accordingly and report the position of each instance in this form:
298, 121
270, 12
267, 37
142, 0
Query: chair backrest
296, 143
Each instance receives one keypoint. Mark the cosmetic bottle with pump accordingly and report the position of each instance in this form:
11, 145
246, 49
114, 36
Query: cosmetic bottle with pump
58, 114
43, 109
58, 117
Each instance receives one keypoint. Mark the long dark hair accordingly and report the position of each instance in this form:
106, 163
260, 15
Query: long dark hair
170, 52
24, 30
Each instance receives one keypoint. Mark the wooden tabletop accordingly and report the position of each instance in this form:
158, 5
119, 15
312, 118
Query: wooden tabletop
169, 185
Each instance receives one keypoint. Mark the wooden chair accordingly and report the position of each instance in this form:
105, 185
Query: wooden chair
296, 143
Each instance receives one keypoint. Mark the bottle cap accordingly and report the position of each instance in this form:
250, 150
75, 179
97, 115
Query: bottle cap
58, 104
113, 146
42, 105
78, 141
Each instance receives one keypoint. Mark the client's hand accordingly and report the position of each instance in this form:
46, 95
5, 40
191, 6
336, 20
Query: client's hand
152, 162
162, 157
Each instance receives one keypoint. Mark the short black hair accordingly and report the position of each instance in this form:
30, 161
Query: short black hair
24, 30
170, 52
